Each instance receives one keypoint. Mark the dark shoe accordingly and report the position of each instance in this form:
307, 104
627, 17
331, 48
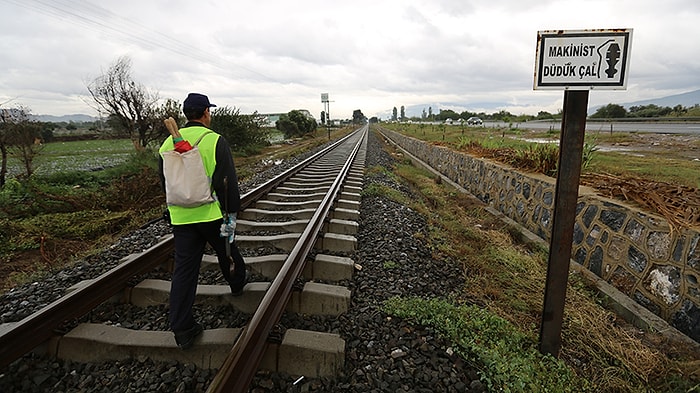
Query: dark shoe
238, 290
185, 339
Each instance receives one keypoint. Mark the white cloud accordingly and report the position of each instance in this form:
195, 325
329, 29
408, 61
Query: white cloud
274, 56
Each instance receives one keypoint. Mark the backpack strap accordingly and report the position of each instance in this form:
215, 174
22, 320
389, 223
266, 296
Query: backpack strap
202, 136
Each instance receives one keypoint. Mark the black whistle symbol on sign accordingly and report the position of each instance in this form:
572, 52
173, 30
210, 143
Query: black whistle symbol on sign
612, 57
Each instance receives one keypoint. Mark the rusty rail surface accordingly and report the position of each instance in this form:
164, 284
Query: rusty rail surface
25, 335
239, 368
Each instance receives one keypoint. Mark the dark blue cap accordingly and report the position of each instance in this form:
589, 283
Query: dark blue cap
196, 100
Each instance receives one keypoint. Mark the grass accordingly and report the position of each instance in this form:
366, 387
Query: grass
508, 359
505, 279
390, 265
652, 167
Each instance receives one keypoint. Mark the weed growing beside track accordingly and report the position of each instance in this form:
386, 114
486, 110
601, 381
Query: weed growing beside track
508, 358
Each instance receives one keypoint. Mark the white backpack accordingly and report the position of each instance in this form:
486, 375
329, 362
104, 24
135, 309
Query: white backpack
186, 181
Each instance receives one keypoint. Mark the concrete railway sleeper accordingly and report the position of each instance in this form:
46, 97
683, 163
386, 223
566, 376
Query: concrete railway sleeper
296, 228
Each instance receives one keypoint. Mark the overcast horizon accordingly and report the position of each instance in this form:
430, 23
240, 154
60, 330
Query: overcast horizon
273, 56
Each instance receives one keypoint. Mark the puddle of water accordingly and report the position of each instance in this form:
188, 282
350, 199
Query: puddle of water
614, 148
539, 140
599, 148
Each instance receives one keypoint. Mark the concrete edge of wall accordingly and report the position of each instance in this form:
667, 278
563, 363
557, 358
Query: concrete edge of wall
627, 308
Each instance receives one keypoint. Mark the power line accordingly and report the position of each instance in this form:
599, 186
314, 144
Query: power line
105, 21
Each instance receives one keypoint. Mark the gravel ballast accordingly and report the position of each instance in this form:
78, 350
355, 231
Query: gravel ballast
383, 354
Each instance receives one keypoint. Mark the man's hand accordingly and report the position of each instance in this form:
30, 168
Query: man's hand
228, 227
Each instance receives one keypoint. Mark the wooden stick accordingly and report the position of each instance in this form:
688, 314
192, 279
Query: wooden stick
172, 127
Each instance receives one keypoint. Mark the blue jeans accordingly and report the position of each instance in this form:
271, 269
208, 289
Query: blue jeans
190, 241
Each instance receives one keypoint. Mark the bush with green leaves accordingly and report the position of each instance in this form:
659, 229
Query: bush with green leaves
295, 124
244, 133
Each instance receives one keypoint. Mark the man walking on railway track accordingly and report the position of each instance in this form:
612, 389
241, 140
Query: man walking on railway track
197, 224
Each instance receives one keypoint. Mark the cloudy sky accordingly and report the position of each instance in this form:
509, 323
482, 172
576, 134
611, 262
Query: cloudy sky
274, 55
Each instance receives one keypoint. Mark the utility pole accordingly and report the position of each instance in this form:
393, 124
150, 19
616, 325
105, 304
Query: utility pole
327, 108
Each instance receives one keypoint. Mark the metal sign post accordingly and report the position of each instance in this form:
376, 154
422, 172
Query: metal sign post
576, 61
565, 199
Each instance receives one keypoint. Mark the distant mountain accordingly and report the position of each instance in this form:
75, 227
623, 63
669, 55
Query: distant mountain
688, 99
75, 118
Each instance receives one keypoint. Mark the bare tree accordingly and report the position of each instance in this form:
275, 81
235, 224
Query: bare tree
21, 136
130, 106
4, 125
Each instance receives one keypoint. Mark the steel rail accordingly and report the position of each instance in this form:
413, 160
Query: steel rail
37, 328
250, 197
33, 330
240, 366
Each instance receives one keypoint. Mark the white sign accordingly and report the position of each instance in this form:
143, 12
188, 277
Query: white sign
582, 59
324, 97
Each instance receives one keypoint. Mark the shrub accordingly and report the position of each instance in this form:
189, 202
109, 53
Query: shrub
244, 133
295, 124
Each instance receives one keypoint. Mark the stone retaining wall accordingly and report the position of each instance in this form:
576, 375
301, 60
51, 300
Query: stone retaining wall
635, 251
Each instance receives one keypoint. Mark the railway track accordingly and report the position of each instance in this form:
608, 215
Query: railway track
309, 210
382, 352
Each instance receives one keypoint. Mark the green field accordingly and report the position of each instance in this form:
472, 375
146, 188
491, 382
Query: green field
76, 155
